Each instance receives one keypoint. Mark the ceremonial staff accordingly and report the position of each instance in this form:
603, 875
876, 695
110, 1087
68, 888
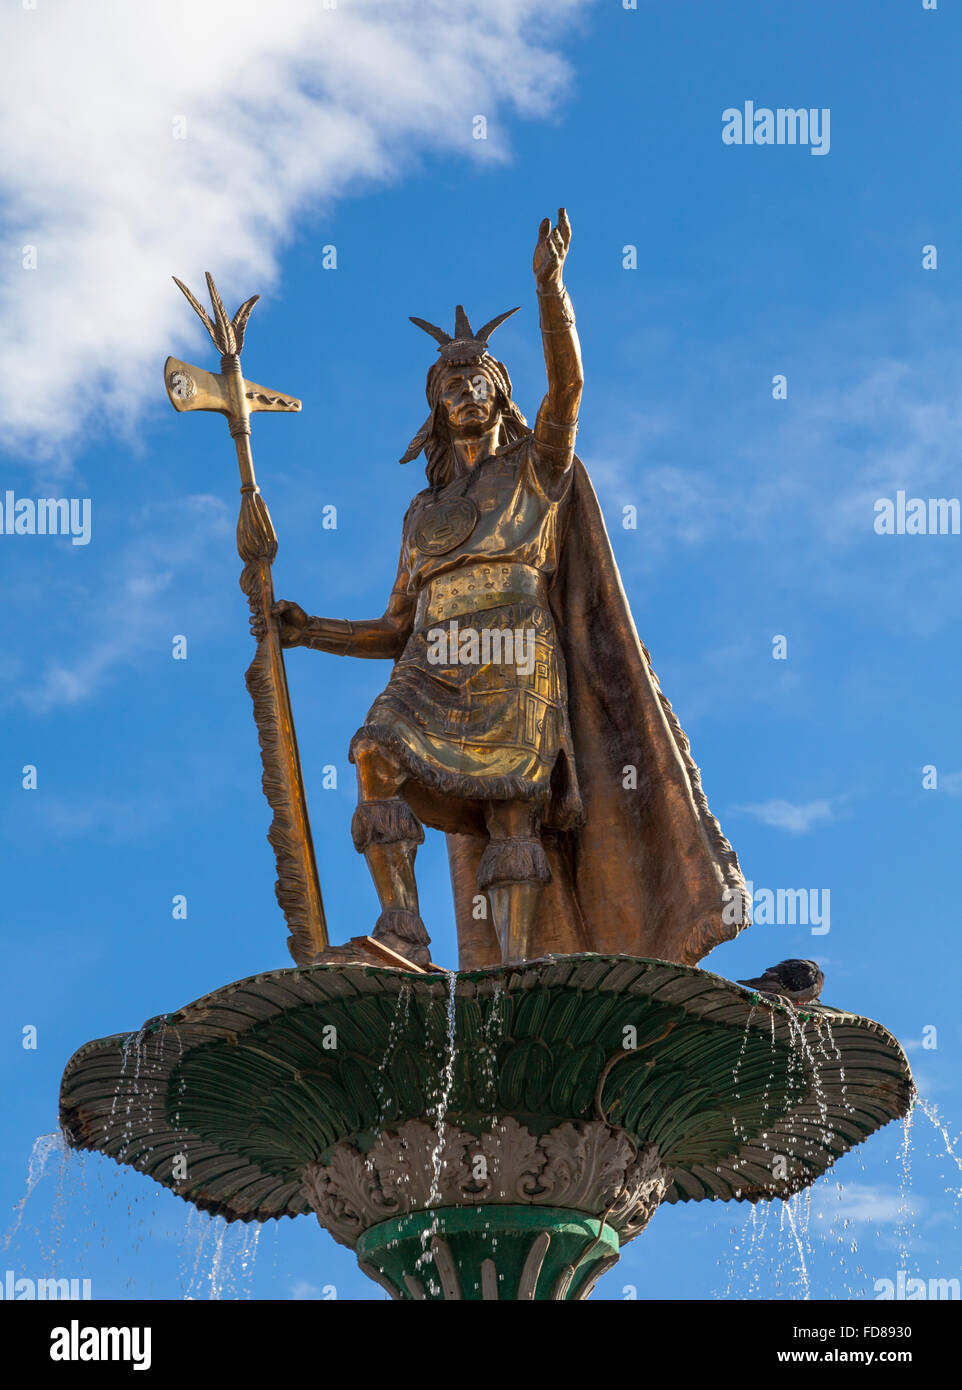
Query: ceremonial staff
191, 388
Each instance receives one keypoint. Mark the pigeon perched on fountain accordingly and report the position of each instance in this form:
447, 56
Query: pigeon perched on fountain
799, 981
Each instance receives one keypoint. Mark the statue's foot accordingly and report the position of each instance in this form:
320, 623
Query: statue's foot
402, 930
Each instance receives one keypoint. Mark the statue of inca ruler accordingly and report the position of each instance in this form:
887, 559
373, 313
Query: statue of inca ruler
522, 716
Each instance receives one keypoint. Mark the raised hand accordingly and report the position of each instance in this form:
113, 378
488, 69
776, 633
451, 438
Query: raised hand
551, 250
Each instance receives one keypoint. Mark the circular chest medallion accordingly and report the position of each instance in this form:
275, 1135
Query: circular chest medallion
445, 525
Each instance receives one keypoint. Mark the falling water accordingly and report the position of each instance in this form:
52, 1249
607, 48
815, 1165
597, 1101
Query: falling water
931, 1113
218, 1260
792, 1232
132, 1042
444, 1097
823, 1026
493, 1030
789, 1209
759, 1229
740, 1239
248, 1256
224, 1257
820, 1223
440, 1113
801, 1043
905, 1164
192, 1238
216, 1274
739, 1133
43, 1147
399, 1023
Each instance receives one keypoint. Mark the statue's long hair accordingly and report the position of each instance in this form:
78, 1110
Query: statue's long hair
434, 436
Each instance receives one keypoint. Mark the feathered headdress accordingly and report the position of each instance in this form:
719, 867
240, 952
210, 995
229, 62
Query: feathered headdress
465, 347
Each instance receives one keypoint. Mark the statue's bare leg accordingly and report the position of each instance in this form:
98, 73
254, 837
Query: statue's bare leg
387, 832
513, 871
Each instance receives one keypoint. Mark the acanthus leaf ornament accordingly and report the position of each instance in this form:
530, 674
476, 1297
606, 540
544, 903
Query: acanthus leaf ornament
586, 1167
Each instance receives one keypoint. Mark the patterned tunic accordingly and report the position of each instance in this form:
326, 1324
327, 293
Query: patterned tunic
483, 719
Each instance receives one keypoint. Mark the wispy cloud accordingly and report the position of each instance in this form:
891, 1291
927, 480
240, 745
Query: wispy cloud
100, 820
139, 613
141, 139
862, 1204
796, 817
875, 406
302, 1289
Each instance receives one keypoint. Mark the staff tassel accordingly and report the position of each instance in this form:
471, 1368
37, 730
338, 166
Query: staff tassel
191, 388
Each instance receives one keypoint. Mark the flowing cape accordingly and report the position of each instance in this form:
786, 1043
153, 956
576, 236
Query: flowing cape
649, 872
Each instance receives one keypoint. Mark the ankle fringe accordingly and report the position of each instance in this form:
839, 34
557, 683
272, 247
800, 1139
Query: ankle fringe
385, 823
403, 922
516, 860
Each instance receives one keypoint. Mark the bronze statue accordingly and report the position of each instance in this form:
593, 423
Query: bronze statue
596, 1073
522, 716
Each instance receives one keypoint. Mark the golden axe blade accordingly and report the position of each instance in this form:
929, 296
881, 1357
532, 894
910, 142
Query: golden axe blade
297, 888
191, 388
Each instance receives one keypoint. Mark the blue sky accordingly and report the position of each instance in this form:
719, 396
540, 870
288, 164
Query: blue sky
755, 519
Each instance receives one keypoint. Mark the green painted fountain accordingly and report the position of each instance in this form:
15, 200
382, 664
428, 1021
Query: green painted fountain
492, 1134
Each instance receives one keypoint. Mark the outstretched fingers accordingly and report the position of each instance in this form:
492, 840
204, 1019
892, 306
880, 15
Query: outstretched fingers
552, 248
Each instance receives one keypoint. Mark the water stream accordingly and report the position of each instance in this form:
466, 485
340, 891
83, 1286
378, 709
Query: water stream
812, 1239
800, 1248
440, 1117
44, 1147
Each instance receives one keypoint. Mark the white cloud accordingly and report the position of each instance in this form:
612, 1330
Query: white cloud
101, 819
862, 1204
787, 815
874, 407
285, 106
137, 614
304, 1289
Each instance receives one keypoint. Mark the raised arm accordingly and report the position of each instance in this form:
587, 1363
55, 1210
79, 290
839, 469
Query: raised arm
557, 422
372, 637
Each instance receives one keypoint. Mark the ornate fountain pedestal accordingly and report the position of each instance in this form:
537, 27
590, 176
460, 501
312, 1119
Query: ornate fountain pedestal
502, 1213
489, 1253
492, 1134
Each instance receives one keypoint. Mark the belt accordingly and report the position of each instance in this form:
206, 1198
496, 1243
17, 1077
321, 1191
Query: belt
471, 588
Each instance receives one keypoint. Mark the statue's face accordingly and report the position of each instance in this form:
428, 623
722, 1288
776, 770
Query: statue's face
470, 399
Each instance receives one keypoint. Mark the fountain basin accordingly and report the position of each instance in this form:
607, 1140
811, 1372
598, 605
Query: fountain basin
599, 1086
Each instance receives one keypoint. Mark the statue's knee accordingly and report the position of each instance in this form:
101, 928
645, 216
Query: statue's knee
512, 820
378, 774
